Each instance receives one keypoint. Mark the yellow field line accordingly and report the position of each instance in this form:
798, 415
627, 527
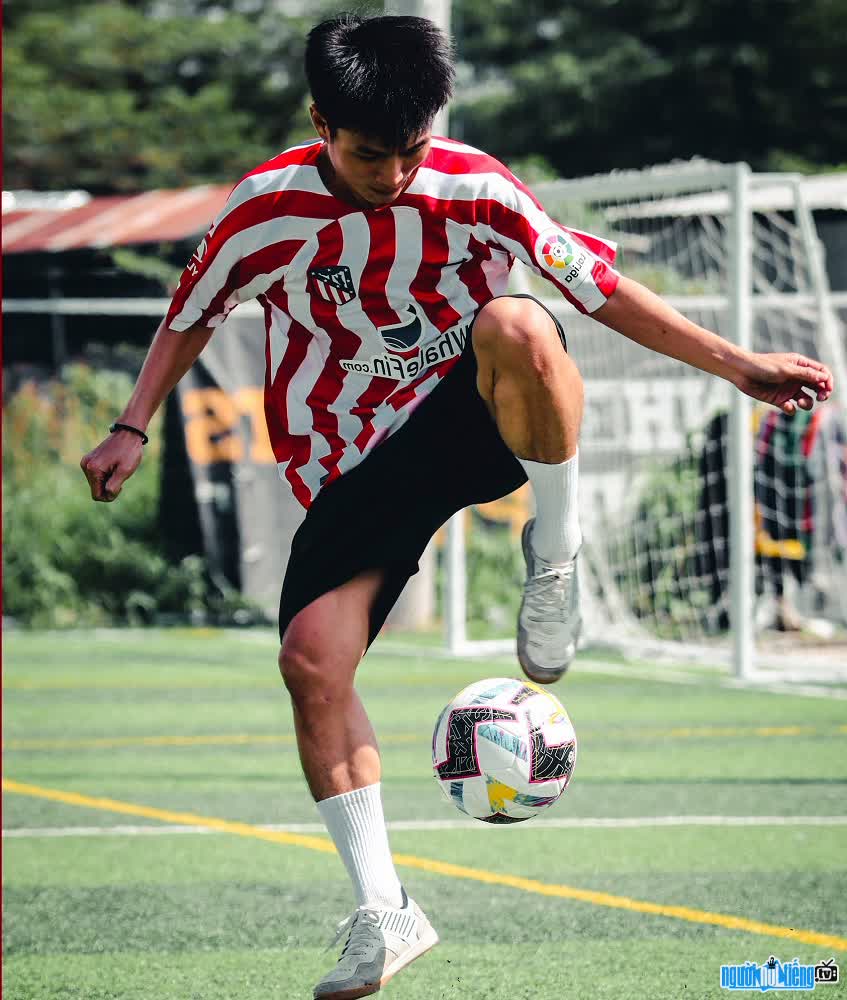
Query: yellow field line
624, 902
828, 941
226, 739
139, 684
245, 739
168, 816
227, 683
695, 731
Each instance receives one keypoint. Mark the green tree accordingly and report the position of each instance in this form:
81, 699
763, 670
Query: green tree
126, 96
626, 83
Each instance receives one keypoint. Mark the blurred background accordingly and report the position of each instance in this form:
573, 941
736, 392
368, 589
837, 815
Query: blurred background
127, 122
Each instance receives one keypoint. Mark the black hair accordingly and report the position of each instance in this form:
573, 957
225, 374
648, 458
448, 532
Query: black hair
385, 77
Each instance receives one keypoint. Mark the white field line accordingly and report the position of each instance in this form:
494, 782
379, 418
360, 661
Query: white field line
769, 681
584, 823
762, 681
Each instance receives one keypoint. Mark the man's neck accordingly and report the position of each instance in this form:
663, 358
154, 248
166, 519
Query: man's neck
334, 184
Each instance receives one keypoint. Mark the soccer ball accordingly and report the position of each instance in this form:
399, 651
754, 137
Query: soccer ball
503, 750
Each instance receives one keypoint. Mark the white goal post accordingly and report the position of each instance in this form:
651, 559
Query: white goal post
703, 514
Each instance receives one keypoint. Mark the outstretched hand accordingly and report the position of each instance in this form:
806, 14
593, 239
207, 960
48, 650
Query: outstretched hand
786, 381
110, 464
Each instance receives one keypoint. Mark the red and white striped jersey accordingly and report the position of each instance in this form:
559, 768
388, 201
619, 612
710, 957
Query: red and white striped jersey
367, 309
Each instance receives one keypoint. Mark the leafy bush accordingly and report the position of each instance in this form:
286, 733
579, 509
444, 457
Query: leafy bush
69, 561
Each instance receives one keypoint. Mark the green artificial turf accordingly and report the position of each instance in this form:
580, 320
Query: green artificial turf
214, 916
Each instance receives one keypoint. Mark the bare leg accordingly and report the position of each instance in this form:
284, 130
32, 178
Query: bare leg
320, 652
535, 394
530, 384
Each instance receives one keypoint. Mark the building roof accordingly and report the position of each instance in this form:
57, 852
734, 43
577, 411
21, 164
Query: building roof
72, 220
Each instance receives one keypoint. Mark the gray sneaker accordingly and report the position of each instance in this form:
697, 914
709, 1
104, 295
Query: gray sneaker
380, 942
549, 621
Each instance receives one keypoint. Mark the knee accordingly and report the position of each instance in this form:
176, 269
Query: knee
518, 334
309, 677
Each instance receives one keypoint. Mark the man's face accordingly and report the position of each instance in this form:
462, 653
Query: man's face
364, 169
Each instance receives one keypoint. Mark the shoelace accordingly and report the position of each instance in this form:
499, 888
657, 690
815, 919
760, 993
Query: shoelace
547, 594
356, 945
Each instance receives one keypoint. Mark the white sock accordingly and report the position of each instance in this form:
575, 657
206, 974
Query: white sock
556, 535
356, 823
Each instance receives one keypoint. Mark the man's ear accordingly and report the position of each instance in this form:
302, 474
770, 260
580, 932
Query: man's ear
320, 123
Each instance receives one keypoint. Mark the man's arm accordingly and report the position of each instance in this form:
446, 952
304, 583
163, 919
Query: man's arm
778, 379
115, 459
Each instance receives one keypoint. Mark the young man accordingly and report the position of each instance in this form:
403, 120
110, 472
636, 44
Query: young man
404, 384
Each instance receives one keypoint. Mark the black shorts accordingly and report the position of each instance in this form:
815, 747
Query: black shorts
383, 513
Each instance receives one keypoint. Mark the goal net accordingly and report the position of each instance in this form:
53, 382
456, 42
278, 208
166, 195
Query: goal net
706, 516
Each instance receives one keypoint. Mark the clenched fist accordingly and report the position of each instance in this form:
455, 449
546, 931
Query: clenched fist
111, 463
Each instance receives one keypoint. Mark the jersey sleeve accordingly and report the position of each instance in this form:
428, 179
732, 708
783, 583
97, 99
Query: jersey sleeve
579, 264
214, 280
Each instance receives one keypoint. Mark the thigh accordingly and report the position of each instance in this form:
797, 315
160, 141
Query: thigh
333, 629
366, 521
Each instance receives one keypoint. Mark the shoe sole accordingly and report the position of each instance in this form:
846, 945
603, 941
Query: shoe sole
427, 941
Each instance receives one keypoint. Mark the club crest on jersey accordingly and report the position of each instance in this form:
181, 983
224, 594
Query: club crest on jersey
403, 337
335, 284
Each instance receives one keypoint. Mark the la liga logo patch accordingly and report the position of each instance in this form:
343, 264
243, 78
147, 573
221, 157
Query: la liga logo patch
562, 257
556, 250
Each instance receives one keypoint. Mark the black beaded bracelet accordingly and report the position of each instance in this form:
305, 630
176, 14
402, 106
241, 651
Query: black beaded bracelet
134, 430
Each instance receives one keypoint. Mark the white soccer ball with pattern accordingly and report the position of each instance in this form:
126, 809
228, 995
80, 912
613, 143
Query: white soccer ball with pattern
503, 750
